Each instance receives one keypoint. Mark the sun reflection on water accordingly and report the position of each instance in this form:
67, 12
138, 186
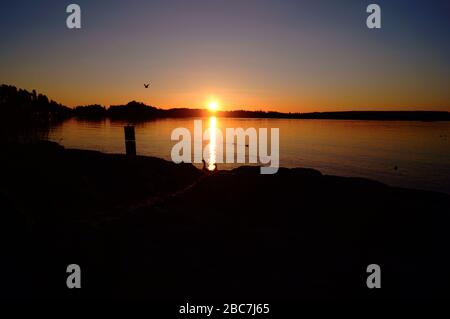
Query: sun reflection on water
212, 143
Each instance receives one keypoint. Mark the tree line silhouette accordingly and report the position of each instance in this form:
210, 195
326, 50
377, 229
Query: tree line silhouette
27, 115
21, 105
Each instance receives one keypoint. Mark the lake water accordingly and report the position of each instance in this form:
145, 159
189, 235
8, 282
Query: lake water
407, 154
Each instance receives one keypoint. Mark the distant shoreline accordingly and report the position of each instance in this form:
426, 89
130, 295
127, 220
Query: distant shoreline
18, 105
139, 111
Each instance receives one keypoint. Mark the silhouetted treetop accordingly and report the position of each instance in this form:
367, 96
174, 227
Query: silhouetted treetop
23, 104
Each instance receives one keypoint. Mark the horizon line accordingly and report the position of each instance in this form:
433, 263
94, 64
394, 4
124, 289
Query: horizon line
235, 109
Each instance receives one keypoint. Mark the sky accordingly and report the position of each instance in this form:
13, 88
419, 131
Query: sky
282, 55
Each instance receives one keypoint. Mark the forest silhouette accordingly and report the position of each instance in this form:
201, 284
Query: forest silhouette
19, 104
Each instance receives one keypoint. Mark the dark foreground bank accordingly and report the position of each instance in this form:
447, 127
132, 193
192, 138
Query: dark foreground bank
148, 228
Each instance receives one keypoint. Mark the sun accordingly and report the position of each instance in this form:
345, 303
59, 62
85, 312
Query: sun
213, 106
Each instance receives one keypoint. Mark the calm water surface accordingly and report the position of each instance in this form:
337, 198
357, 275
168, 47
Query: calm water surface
408, 154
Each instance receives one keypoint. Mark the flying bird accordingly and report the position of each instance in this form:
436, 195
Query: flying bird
146, 85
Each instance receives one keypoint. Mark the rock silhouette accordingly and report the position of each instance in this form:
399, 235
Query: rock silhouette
297, 234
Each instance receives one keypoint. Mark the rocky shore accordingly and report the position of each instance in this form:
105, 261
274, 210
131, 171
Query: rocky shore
148, 228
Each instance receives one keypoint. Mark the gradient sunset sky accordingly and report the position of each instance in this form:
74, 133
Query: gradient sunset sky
283, 55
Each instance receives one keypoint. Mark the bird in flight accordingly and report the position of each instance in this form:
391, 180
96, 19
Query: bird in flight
146, 85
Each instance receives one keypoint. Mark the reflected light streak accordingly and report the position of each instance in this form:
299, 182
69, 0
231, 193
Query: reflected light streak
212, 143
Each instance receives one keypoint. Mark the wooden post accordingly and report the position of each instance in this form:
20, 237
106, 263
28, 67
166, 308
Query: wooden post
130, 141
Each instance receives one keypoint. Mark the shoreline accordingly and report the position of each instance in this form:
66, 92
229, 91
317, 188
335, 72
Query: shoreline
163, 230
181, 175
